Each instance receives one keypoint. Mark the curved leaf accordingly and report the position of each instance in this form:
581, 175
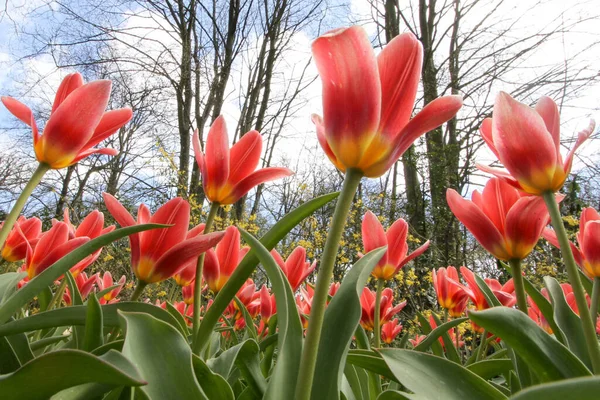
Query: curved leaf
94, 330
76, 315
568, 321
579, 388
162, 356
435, 377
55, 371
371, 361
545, 308
341, 319
435, 334
214, 385
289, 339
487, 369
49, 275
249, 263
8, 283
547, 357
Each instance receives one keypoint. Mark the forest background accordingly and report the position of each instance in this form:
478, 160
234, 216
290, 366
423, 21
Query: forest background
180, 64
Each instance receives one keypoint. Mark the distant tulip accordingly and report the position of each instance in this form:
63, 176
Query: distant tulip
84, 284
52, 246
268, 306
396, 255
295, 268
77, 122
451, 334
390, 330
506, 222
587, 255
368, 100
220, 263
15, 247
450, 293
504, 293
417, 340
387, 309
228, 174
106, 282
527, 142
158, 254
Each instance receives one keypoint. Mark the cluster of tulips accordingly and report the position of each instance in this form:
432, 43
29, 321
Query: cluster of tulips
290, 338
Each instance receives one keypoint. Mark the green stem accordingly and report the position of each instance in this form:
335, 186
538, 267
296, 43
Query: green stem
210, 218
595, 300
56, 299
515, 270
12, 217
172, 292
589, 330
139, 289
483, 344
317, 313
377, 322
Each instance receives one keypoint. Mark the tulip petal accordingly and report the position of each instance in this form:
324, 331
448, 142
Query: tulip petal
524, 225
477, 223
399, 70
72, 124
547, 109
396, 237
497, 199
182, 253
68, 85
551, 237
91, 226
200, 160
524, 145
211, 270
486, 133
18, 109
351, 91
174, 212
581, 138
373, 235
111, 122
245, 156
420, 250
318, 121
124, 218
53, 254
216, 157
502, 174
228, 251
254, 179
88, 152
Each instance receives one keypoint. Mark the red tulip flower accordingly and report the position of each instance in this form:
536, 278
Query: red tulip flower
92, 226
417, 340
587, 255
527, 142
304, 305
187, 274
395, 239
52, 246
26, 230
387, 309
228, 174
84, 284
295, 268
268, 306
220, 263
450, 293
106, 282
158, 254
368, 100
451, 334
77, 123
390, 330
504, 293
505, 221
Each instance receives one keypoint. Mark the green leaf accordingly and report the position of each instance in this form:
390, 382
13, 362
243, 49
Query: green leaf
76, 315
8, 283
435, 334
358, 380
426, 328
547, 357
545, 308
449, 345
250, 328
578, 388
569, 323
487, 292
371, 361
214, 385
183, 327
58, 370
487, 369
437, 378
42, 343
249, 263
22, 296
162, 355
396, 395
289, 339
341, 319
94, 329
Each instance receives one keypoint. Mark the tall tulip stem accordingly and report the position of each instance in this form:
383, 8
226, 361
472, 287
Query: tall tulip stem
515, 270
573, 273
139, 289
210, 219
377, 317
12, 217
317, 312
595, 300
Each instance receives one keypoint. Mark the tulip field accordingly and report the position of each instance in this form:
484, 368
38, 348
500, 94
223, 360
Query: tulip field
246, 321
